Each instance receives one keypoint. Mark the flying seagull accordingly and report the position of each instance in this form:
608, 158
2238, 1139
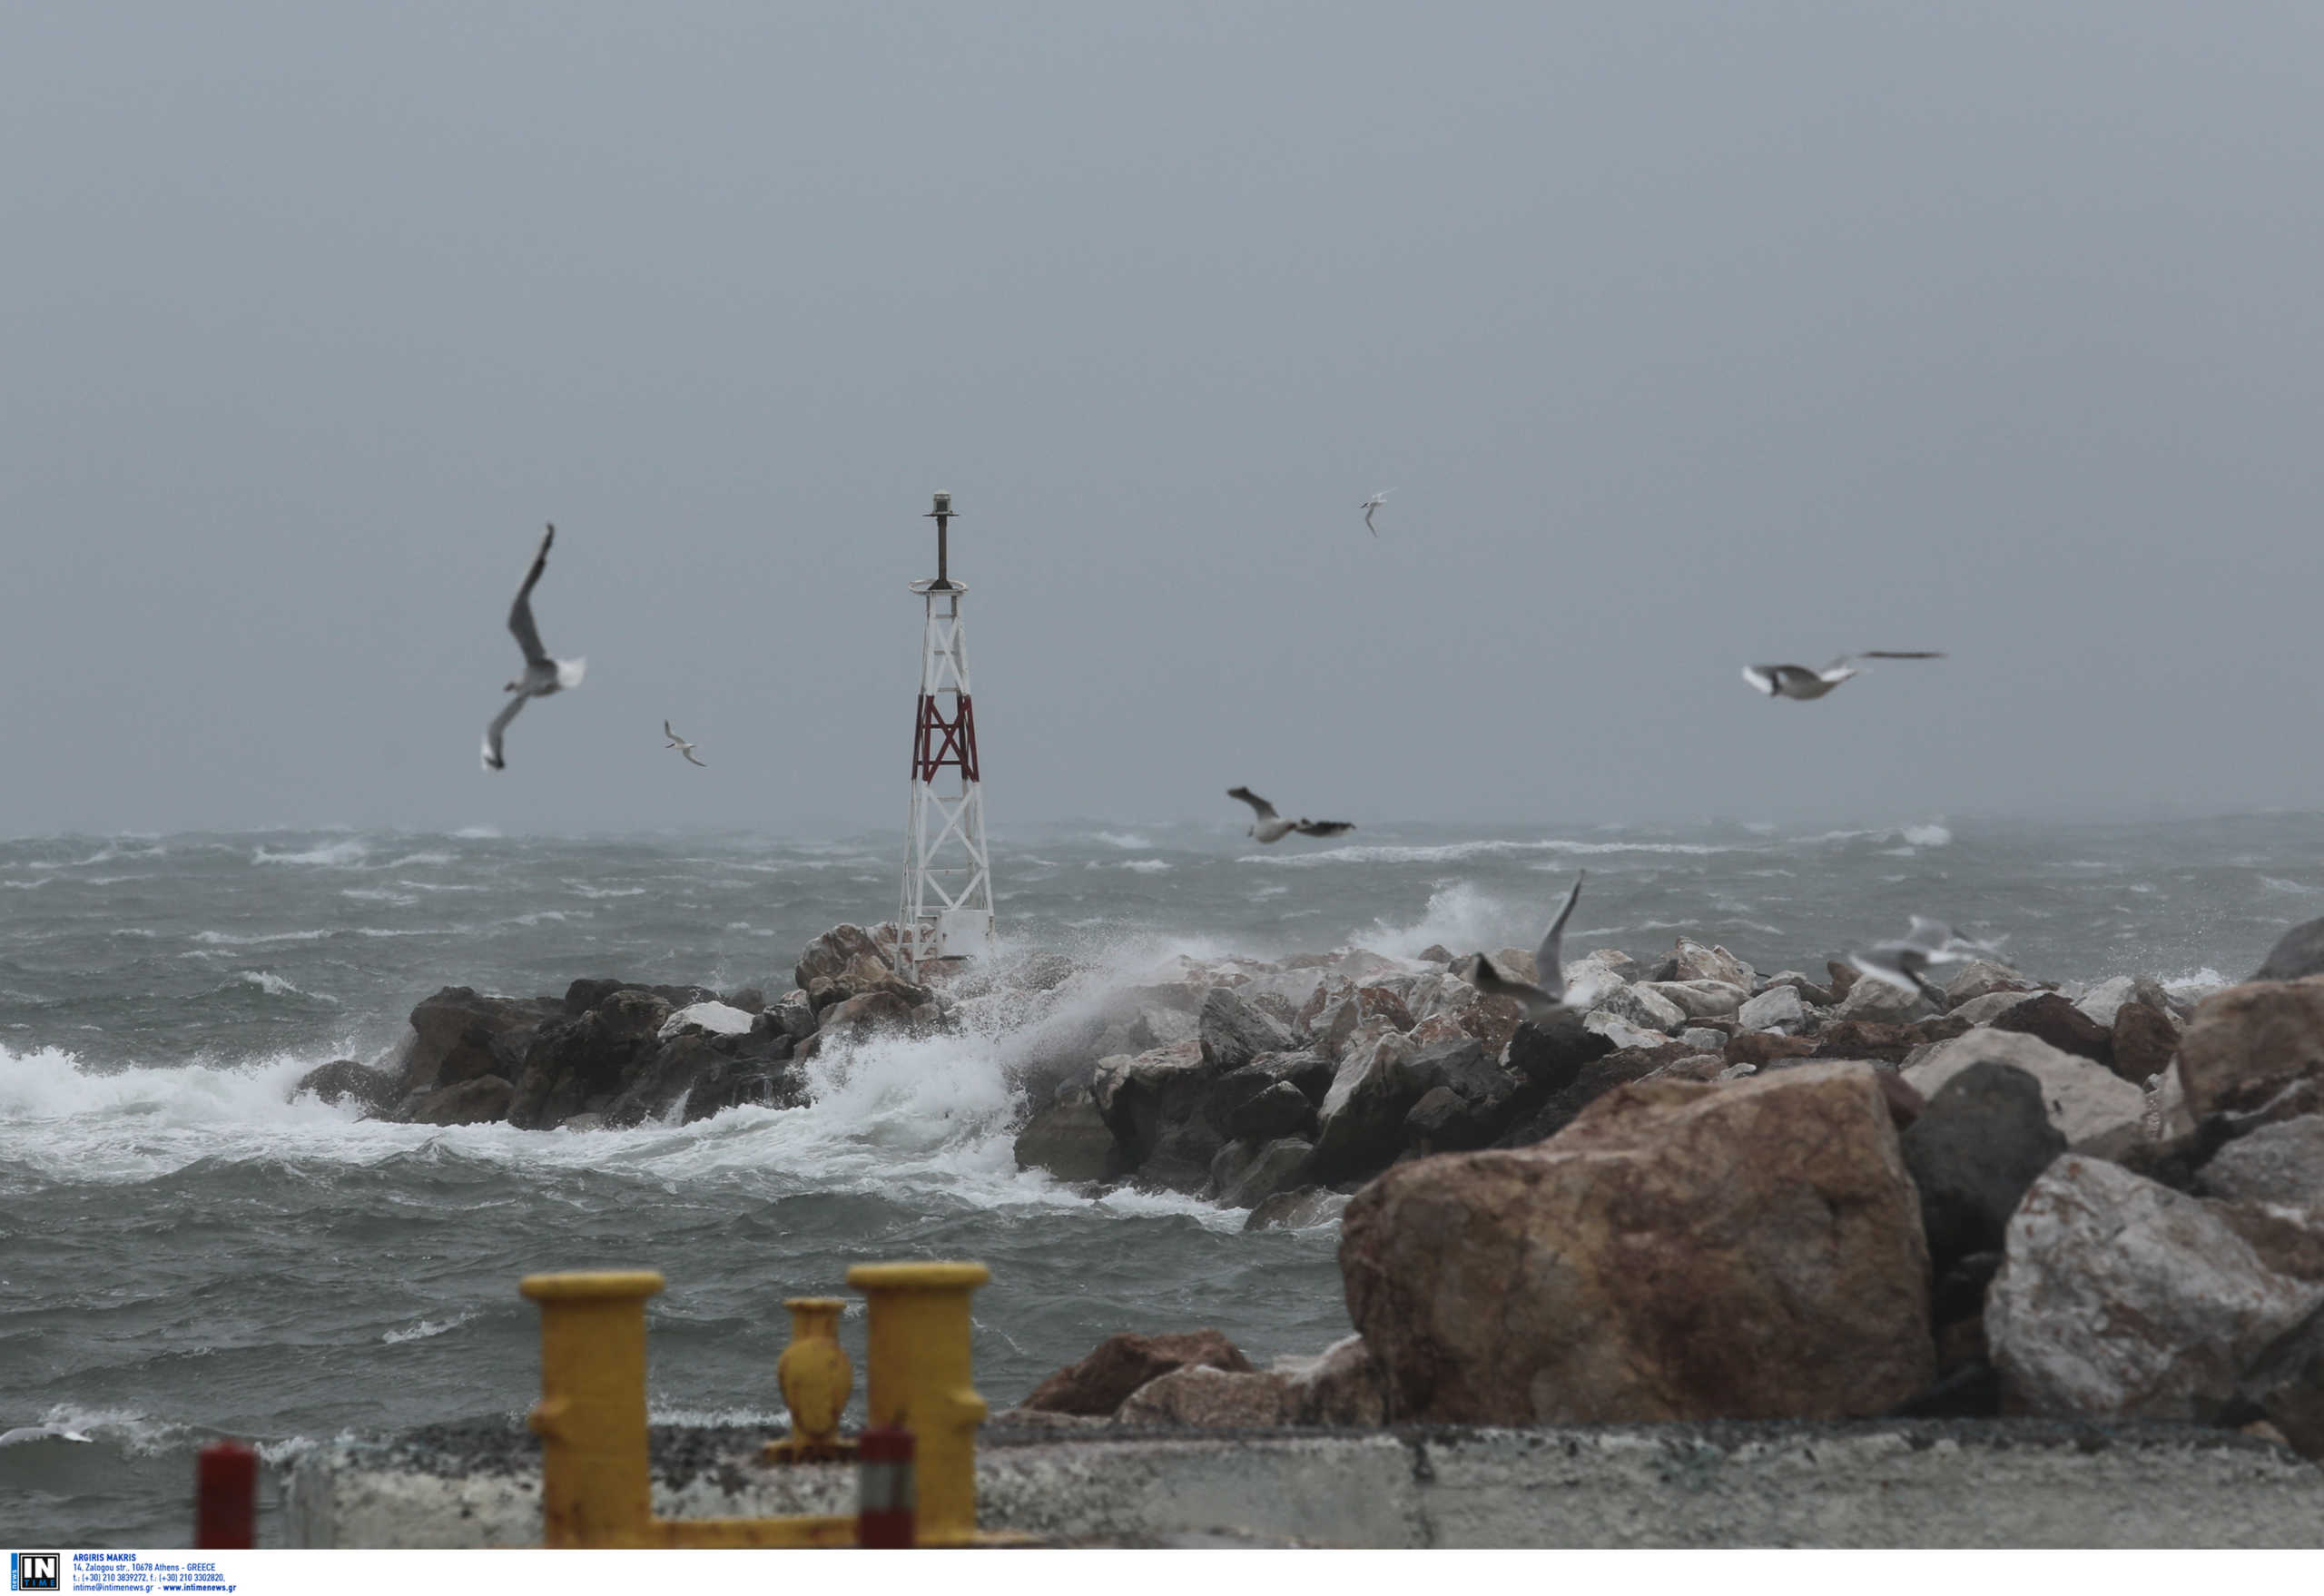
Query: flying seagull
1271, 827
681, 744
1548, 999
1901, 962
1372, 504
543, 676
1792, 681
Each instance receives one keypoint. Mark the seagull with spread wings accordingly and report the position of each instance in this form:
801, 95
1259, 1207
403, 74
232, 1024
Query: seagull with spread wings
1550, 997
1372, 504
1792, 681
684, 747
543, 676
1271, 827
1902, 962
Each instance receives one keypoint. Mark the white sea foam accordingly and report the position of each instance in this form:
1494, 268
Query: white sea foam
345, 855
379, 895
411, 859
2278, 884
1135, 866
425, 1329
586, 891
218, 938
1459, 916
1929, 835
274, 986
479, 833
1122, 839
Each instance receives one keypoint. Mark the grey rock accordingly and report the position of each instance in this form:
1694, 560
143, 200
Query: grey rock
2095, 1111
2281, 1164
374, 1090
1277, 1110
1985, 1138
1985, 1009
1982, 978
2285, 1385
1233, 1032
1070, 1141
2121, 1298
1245, 1173
2299, 953
454, 1033
1704, 1041
1642, 1007
1700, 999
1298, 1210
1359, 1127
1779, 1009
1882, 1004
482, 1101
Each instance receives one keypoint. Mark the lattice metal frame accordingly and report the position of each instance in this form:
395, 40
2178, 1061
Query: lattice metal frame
947, 907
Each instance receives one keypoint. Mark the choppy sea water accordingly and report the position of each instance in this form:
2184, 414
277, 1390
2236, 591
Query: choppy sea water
185, 1252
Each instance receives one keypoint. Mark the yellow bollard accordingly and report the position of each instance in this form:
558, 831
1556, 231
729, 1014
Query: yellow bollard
591, 1417
919, 1379
816, 1379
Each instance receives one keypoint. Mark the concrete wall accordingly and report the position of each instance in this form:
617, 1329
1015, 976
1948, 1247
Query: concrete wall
1921, 1483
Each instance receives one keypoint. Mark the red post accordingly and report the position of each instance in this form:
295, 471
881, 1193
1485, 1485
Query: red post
225, 1499
885, 1493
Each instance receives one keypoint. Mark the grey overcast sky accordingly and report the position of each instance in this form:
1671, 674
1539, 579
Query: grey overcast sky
1688, 335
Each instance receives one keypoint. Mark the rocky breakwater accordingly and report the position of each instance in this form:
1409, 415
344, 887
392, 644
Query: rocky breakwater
1830, 1199
610, 1052
1284, 1086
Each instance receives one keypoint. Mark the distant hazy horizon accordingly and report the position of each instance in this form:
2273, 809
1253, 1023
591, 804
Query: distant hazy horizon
1688, 335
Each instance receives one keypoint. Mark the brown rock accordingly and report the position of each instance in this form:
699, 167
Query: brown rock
1863, 1039
1904, 1101
870, 1012
831, 953
1103, 1380
2144, 1042
1340, 1385
2059, 1023
1981, 978
1843, 976
1204, 1398
1764, 1046
2247, 1043
2288, 1241
455, 1030
373, 1090
482, 1102
1681, 1251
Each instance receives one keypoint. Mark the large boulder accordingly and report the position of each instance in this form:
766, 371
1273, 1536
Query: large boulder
1298, 1210
2121, 1298
581, 1065
2281, 1164
1990, 1006
1152, 1102
2145, 1041
481, 1101
2247, 1043
1700, 999
1688, 960
2096, 1111
455, 1032
1233, 1032
2298, 954
1778, 1009
1069, 1139
1103, 1380
1585, 1086
2061, 1025
1681, 1251
373, 1090
1982, 978
1642, 1006
1981, 1142
1200, 1397
831, 953
2285, 1386
1882, 1004
1360, 1126
1339, 1386
1247, 1173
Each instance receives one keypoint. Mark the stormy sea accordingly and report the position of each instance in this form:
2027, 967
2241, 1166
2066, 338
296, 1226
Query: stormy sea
186, 1253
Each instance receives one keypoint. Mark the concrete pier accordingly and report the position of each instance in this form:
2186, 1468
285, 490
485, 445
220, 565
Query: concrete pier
1875, 1483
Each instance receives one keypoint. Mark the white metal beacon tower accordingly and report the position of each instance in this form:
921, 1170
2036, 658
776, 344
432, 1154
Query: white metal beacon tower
947, 910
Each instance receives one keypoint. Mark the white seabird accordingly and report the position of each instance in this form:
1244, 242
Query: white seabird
1901, 962
681, 744
1549, 998
1792, 681
543, 676
1270, 827
1372, 504
23, 1434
